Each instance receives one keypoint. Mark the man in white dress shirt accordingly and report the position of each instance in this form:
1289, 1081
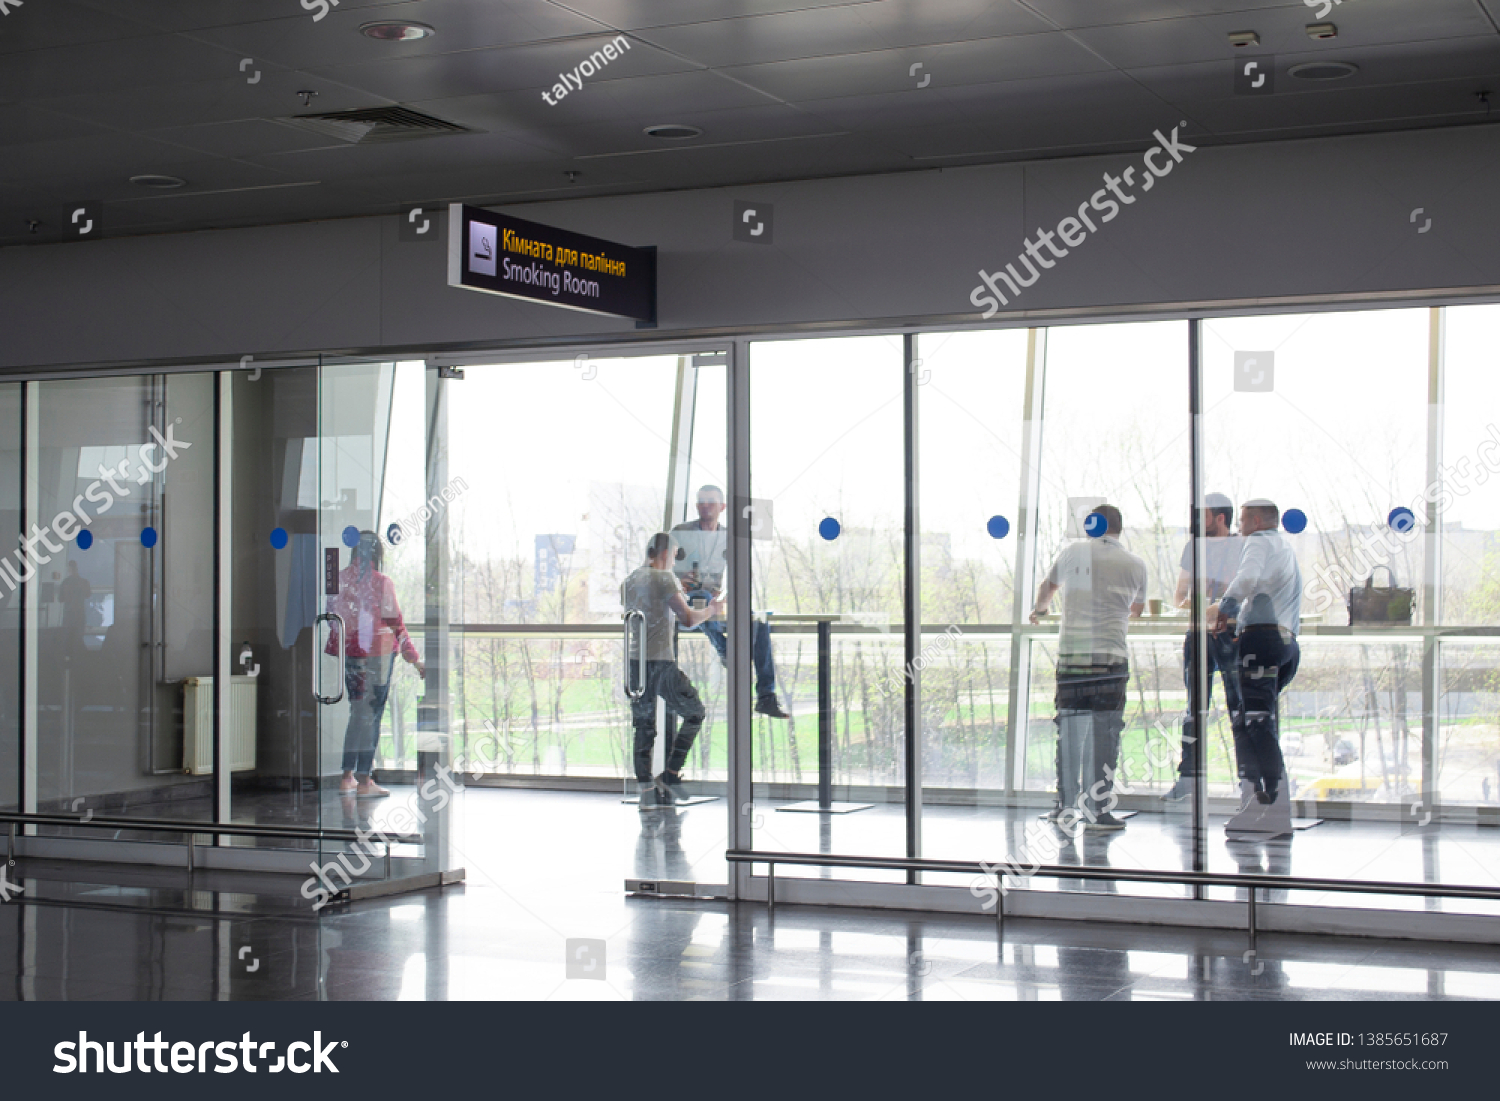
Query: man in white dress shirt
1268, 589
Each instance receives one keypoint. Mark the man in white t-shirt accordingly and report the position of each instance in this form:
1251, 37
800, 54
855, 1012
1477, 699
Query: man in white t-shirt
1103, 586
1266, 598
1221, 552
653, 591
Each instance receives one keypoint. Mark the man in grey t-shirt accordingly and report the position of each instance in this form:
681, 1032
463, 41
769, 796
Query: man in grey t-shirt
1103, 585
654, 592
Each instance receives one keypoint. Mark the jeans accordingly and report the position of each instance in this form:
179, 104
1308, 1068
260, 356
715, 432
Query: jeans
1090, 717
1267, 663
1222, 655
367, 682
665, 679
760, 651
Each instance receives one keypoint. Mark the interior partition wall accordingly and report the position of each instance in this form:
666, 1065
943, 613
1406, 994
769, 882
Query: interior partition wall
1368, 432
893, 502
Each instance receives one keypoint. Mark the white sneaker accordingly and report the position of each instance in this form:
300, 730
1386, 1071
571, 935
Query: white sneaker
1250, 813
1276, 819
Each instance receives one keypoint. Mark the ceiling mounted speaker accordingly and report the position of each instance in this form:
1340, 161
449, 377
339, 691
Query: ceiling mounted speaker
1323, 70
672, 131
395, 30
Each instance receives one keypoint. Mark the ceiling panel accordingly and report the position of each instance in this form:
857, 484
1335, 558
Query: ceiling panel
982, 62
852, 28
66, 23
652, 98
95, 91
1476, 59
479, 71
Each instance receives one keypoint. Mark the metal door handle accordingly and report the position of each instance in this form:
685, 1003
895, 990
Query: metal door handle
332, 617
636, 693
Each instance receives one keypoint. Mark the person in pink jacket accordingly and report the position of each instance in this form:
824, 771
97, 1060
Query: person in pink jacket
373, 632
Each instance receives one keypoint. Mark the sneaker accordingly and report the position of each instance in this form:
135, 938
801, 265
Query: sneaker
648, 800
1105, 821
769, 705
672, 789
1275, 819
369, 789
1181, 791
1252, 811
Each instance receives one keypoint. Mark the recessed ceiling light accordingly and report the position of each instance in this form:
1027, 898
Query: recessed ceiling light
672, 131
396, 30
1323, 70
161, 183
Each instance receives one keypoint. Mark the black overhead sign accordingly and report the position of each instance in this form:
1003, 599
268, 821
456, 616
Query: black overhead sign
503, 255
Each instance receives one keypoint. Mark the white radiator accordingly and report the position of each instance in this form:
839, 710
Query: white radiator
198, 725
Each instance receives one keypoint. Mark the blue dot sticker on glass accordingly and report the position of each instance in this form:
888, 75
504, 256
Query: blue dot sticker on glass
85, 539
351, 536
829, 528
279, 538
393, 535
1095, 525
148, 537
998, 527
1402, 520
1294, 520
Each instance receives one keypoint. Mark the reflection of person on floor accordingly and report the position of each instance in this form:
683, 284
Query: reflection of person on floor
1221, 551
654, 591
74, 593
700, 567
1102, 585
374, 631
1267, 604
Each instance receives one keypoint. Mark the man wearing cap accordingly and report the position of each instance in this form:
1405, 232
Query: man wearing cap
1103, 585
1222, 559
1266, 611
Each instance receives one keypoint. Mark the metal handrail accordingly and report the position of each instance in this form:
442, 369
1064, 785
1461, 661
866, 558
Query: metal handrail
1129, 875
167, 825
1252, 882
805, 623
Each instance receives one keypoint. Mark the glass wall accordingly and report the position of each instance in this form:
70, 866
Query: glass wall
1366, 749
10, 598
1058, 540
827, 481
121, 572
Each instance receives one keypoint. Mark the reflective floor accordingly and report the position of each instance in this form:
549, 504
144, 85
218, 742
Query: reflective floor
543, 916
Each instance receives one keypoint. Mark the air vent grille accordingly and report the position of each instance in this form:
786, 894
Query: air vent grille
372, 125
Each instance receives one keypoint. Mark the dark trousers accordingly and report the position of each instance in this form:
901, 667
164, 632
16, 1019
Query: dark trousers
367, 682
1268, 661
665, 679
1090, 716
760, 651
1223, 652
